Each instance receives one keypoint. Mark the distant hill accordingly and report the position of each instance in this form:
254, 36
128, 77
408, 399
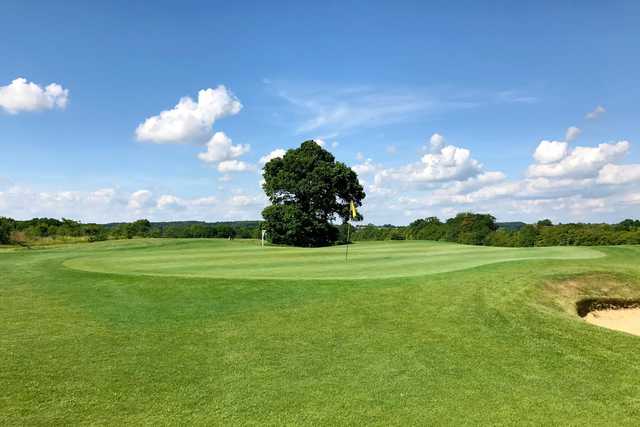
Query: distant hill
512, 226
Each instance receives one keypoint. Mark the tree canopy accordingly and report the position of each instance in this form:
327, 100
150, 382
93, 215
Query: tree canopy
308, 190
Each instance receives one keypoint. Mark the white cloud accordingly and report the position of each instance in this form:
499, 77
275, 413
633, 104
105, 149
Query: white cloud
632, 199
113, 205
367, 167
220, 149
241, 200
619, 174
446, 163
140, 199
336, 110
235, 166
474, 183
104, 195
168, 201
597, 112
204, 201
189, 120
320, 142
581, 162
551, 151
22, 95
565, 184
277, 153
436, 142
572, 133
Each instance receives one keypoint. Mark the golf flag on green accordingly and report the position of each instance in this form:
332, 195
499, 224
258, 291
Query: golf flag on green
353, 214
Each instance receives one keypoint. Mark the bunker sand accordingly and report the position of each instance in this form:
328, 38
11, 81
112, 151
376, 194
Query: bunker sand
625, 319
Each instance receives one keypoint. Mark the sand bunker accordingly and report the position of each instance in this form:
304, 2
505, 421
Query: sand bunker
623, 319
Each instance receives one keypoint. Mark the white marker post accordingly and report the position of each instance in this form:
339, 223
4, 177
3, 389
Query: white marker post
263, 234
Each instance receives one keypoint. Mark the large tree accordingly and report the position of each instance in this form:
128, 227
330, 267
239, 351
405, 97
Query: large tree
308, 191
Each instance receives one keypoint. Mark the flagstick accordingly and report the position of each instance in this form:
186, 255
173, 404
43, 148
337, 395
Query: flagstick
346, 252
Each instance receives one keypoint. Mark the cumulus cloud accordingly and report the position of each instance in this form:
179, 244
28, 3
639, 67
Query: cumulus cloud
220, 150
444, 163
235, 166
204, 201
277, 153
241, 200
167, 201
114, 205
474, 183
597, 112
436, 142
565, 183
367, 167
572, 133
320, 142
140, 199
189, 120
619, 174
551, 151
21, 95
580, 162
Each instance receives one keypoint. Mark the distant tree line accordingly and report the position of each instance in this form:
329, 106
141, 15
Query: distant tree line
466, 228
482, 229
19, 232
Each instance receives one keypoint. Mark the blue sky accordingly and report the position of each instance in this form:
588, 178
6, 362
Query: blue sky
441, 107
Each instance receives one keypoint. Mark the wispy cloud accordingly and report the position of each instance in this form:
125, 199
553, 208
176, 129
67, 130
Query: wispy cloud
336, 110
339, 110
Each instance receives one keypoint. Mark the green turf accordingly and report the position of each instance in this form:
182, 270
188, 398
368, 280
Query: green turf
406, 333
247, 260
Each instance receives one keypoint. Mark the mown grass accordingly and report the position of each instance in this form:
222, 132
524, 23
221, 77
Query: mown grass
218, 332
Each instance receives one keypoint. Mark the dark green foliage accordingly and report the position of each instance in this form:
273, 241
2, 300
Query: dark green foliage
527, 236
426, 229
7, 225
38, 228
511, 226
287, 224
503, 237
139, 228
469, 228
95, 232
308, 190
374, 232
464, 228
346, 232
478, 229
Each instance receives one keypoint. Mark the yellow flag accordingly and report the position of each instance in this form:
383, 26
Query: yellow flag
354, 213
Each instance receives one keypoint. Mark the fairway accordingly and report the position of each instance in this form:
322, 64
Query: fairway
164, 331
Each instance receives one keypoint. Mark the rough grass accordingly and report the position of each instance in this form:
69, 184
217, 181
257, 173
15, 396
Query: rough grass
406, 333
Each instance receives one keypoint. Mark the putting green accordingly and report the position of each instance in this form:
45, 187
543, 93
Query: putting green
367, 260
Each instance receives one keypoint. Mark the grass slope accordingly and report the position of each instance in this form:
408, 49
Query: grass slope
218, 332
